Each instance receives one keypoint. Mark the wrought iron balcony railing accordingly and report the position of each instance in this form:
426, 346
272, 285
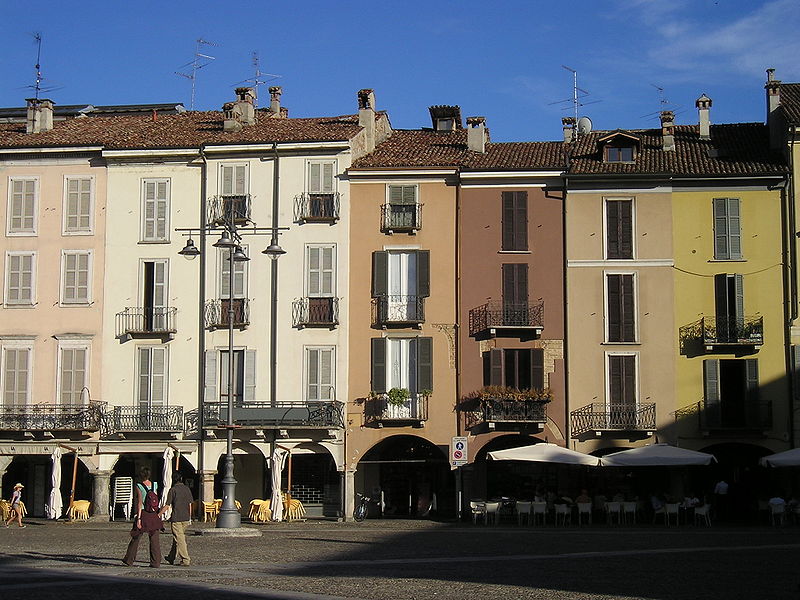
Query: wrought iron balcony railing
724, 331
141, 320
152, 419
314, 414
398, 310
401, 217
52, 417
320, 208
315, 312
217, 312
499, 315
378, 410
501, 410
229, 208
601, 417
753, 416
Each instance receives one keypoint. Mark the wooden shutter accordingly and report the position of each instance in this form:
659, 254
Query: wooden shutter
738, 290
711, 391
722, 305
515, 220
249, 375
379, 365
327, 178
210, 386
321, 273
621, 308
424, 363
158, 375
493, 367
734, 229
753, 405
619, 229
423, 273
380, 273
144, 376
78, 205
727, 229
20, 278
326, 374
314, 178
537, 369
622, 379
149, 226
515, 284
73, 374
227, 180
508, 221
161, 210
159, 284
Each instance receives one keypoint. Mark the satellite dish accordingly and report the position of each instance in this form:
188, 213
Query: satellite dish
584, 125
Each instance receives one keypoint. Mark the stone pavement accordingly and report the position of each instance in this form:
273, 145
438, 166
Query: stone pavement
409, 559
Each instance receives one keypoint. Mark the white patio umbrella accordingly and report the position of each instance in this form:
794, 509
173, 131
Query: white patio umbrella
551, 453
656, 455
788, 458
166, 479
55, 504
276, 467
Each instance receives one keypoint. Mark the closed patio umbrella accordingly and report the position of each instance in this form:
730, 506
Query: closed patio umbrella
789, 458
276, 467
166, 479
656, 455
55, 504
550, 453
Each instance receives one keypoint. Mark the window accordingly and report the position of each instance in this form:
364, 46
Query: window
321, 283
152, 376
72, 373
233, 180
244, 375
622, 390
320, 369
619, 228
402, 363
731, 393
155, 313
619, 153
518, 368
402, 209
16, 375
23, 195
400, 280
239, 298
729, 300
76, 277
727, 229
515, 221
321, 191
155, 210
20, 278
516, 311
620, 308
78, 205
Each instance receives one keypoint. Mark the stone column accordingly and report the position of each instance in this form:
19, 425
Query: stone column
207, 485
100, 495
349, 493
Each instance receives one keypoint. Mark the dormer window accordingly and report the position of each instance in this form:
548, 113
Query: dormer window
444, 124
445, 118
619, 146
619, 154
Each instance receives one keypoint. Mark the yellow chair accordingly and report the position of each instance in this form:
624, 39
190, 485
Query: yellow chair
264, 512
79, 511
255, 505
210, 511
294, 509
5, 509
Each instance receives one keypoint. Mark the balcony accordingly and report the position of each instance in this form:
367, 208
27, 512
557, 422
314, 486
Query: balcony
229, 208
217, 313
83, 418
599, 419
401, 218
506, 320
380, 411
315, 312
735, 419
139, 321
398, 311
314, 414
143, 419
316, 208
722, 334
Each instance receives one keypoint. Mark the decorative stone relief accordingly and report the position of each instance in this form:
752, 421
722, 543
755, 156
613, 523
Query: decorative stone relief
450, 332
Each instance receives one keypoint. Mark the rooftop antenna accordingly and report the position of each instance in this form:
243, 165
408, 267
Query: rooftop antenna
259, 77
664, 104
37, 86
200, 60
578, 94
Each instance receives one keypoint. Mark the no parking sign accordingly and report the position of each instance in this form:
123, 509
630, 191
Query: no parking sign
458, 451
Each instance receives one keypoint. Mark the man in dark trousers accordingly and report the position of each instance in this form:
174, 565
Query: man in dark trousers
179, 499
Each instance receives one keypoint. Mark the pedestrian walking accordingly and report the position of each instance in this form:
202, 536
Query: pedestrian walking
16, 506
147, 520
179, 499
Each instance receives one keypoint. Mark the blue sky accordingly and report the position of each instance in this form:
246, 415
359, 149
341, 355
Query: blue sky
500, 60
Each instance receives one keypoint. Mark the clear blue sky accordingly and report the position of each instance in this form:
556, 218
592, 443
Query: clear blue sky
501, 60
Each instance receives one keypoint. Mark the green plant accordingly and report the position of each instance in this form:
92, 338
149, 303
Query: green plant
492, 393
426, 393
398, 396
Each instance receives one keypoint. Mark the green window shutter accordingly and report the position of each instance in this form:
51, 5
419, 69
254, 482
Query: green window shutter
249, 375
379, 365
210, 387
424, 273
711, 391
380, 273
424, 363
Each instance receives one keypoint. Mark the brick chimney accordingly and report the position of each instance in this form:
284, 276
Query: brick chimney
245, 104
230, 118
703, 104
275, 92
668, 129
366, 117
40, 115
476, 134
568, 125
773, 88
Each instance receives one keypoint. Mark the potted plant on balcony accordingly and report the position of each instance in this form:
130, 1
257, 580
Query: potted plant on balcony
398, 396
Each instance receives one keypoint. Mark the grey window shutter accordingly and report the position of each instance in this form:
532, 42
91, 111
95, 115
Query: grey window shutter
520, 220
327, 178
379, 365
493, 367
796, 371
241, 180
622, 379
227, 181
711, 390
380, 273
249, 375
158, 375
211, 394
721, 251
738, 286
734, 229
144, 377
614, 294
627, 306
424, 363
612, 229
508, 221
424, 273
537, 369
752, 399
314, 178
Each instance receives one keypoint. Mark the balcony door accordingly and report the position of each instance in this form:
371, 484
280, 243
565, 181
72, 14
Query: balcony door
151, 370
729, 299
154, 295
401, 355
622, 391
403, 288
515, 295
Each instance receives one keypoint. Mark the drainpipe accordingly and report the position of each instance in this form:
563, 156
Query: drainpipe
457, 340
273, 335
565, 293
201, 330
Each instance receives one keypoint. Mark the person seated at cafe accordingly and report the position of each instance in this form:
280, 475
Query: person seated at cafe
777, 500
690, 500
619, 497
583, 497
657, 501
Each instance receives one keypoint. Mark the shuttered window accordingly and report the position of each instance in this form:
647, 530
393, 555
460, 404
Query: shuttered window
731, 391
20, 278
621, 309
155, 210
320, 371
622, 379
233, 180
727, 229
72, 374
403, 363
76, 277
515, 220
240, 273
16, 376
152, 375
22, 206
519, 368
216, 376
321, 177
729, 301
321, 271
515, 295
78, 205
416, 279
619, 228
402, 194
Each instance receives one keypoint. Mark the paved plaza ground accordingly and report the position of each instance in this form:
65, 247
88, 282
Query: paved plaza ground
409, 559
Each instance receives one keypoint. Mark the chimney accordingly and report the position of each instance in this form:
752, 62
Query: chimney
230, 118
40, 115
703, 104
568, 125
245, 104
275, 92
476, 134
366, 117
773, 87
668, 129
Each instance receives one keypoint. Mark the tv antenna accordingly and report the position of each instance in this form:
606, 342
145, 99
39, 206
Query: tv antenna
200, 60
664, 104
259, 77
578, 95
37, 86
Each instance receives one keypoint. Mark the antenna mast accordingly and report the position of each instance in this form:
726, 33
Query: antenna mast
578, 95
37, 86
200, 60
259, 77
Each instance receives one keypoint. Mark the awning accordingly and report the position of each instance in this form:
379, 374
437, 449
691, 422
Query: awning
550, 453
789, 458
656, 455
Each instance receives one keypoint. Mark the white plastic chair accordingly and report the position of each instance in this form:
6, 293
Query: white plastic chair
563, 512
673, 510
478, 509
493, 511
539, 510
123, 494
629, 511
703, 514
584, 508
613, 510
523, 512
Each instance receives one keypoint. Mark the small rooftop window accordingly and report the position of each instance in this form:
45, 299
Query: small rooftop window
619, 154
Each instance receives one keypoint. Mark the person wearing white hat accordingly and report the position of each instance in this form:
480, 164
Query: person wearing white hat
16, 509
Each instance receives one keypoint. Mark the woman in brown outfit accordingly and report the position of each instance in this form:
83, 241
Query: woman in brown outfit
146, 522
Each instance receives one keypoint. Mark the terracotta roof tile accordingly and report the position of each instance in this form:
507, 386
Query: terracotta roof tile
790, 102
